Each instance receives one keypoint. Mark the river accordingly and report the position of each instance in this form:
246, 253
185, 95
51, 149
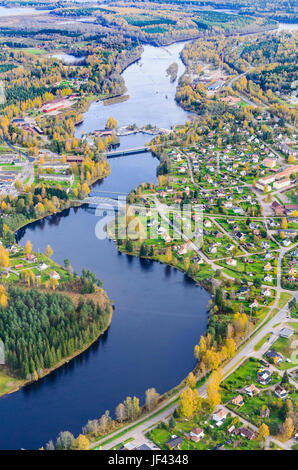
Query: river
159, 312
5, 11
152, 95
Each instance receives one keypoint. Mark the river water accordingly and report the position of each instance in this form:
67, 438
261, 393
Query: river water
152, 95
159, 312
4, 11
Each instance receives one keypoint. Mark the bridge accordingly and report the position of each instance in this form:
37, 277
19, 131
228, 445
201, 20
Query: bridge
104, 203
123, 152
111, 194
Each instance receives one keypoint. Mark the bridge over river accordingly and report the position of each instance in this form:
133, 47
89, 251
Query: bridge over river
104, 203
123, 152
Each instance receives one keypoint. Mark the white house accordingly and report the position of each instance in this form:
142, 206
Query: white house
219, 416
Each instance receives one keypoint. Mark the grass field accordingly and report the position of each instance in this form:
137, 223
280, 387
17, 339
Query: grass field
7, 384
284, 298
260, 343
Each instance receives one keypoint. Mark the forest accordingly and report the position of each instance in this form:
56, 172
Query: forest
39, 329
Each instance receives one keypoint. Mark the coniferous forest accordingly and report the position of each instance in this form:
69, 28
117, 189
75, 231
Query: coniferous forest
39, 329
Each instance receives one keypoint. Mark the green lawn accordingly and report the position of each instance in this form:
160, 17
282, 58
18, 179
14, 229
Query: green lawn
284, 299
263, 340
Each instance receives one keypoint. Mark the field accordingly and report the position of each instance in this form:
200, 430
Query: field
7, 384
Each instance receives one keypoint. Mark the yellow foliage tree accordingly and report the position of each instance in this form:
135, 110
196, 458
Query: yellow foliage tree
188, 403
263, 431
48, 251
4, 257
28, 247
82, 442
213, 389
191, 380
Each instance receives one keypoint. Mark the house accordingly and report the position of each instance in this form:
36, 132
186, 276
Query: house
245, 432
42, 266
167, 238
286, 332
267, 267
284, 183
280, 392
269, 162
212, 248
251, 390
196, 434
268, 278
263, 376
240, 236
278, 208
265, 245
219, 416
128, 446
160, 230
254, 304
265, 413
218, 234
219, 447
174, 443
12, 248
238, 401
182, 250
31, 258
143, 447
207, 223
243, 290
231, 262
274, 356
54, 275
266, 292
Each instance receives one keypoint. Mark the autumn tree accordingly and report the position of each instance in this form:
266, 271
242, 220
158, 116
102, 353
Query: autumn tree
284, 223
120, 413
191, 380
188, 402
151, 398
111, 123
263, 431
28, 247
48, 251
4, 257
213, 389
3, 297
287, 429
82, 442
